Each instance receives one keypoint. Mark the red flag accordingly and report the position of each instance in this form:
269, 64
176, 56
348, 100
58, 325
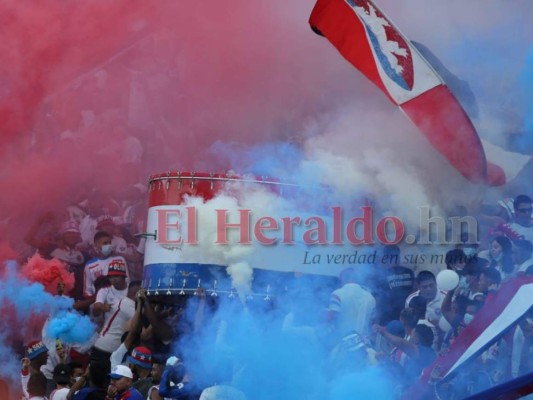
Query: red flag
373, 45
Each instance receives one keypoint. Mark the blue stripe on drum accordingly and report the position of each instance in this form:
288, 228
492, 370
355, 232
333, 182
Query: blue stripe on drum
173, 278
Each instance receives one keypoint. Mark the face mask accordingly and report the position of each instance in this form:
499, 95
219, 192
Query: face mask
77, 378
498, 257
469, 251
468, 318
106, 249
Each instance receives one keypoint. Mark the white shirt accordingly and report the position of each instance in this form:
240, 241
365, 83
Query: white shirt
59, 394
355, 306
96, 268
525, 231
525, 265
113, 329
118, 356
433, 312
110, 295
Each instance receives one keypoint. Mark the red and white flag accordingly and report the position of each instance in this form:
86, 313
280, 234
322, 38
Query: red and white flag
371, 43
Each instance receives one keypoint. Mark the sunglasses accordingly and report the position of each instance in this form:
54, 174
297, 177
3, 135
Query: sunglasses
525, 210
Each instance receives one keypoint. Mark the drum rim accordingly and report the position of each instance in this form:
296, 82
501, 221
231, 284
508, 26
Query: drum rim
222, 177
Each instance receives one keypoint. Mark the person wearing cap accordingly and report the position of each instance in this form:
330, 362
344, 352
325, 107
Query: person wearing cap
108, 297
37, 355
140, 362
69, 238
121, 387
62, 381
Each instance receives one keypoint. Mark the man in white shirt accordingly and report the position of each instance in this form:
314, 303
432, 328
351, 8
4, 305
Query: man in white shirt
62, 381
106, 223
522, 226
114, 327
108, 297
352, 307
99, 266
427, 288
37, 356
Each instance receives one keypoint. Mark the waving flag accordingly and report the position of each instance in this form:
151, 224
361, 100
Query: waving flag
501, 312
373, 45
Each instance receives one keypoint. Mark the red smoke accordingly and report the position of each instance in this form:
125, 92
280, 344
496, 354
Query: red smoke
48, 273
102, 94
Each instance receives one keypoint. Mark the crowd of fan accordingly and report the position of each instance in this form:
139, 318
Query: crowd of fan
391, 317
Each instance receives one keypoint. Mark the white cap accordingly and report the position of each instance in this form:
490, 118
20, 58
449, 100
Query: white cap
121, 371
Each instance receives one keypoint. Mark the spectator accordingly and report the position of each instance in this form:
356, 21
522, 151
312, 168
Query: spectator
120, 387
522, 226
92, 385
397, 285
489, 281
140, 363
455, 260
106, 224
419, 306
66, 251
109, 338
175, 382
58, 353
62, 379
500, 256
158, 365
37, 355
99, 266
37, 386
108, 297
352, 307
472, 274
427, 288
76, 371
417, 349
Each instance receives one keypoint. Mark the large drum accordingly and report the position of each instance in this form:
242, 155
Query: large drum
179, 261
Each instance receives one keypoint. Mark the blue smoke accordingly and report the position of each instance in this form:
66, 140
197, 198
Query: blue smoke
273, 159
525, 82
71, 327
286, 163
22, 300
27, 298
278, 350
500, 74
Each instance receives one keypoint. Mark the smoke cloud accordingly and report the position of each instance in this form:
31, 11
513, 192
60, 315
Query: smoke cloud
99, 95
